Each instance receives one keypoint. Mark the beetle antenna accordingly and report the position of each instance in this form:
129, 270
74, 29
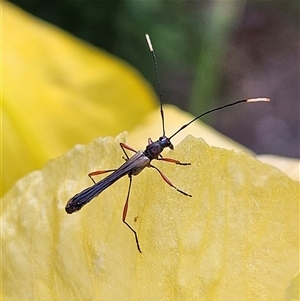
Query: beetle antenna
220, 108
158, 82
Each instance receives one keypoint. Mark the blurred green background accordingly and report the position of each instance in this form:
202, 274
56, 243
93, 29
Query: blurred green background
209, 53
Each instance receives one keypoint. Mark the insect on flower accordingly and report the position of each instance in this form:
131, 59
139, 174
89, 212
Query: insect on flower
140, 160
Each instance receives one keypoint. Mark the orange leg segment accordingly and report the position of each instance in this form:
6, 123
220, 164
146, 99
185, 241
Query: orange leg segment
168, 181
125, 213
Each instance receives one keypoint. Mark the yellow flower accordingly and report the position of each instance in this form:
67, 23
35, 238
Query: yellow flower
237, 238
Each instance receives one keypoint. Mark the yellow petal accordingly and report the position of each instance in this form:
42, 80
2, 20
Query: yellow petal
237, 238
58, 91
290, 166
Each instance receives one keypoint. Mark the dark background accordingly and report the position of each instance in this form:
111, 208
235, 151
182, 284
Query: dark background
209, 53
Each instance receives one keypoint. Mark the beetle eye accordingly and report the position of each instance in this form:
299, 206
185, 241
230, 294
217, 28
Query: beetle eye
164, 141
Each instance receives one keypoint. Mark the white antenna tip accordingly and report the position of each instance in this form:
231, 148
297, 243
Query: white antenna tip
258, 99
149, 42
